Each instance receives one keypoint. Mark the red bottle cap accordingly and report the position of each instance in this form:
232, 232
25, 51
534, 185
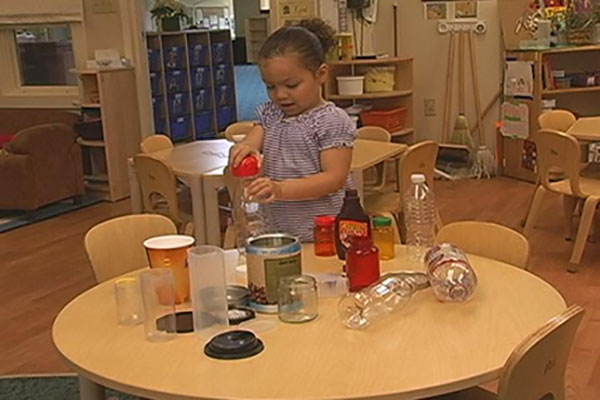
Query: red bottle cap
324, 220
247, 167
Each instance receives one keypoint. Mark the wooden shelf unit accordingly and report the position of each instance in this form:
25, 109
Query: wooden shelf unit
400, 96
113, 93
257, 30
202, 119
583, 101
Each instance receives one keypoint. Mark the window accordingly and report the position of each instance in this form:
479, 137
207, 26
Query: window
45, 55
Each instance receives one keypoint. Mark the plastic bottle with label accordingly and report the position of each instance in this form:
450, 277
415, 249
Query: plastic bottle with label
351, 221
450, 274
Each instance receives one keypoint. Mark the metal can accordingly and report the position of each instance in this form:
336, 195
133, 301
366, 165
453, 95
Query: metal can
270, 257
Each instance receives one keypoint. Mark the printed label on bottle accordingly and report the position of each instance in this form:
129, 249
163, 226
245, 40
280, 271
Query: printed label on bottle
352, 228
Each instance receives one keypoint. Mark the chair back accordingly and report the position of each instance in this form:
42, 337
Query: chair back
155, 143
114, 247
418, 159
238, 130
373, 133
536, 368
487, 239
560, 150
558, 120
158, 185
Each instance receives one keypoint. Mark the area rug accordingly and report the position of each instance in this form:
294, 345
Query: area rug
11, 219
48, 387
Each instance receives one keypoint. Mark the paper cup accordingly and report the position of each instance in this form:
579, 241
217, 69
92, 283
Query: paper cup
170, 251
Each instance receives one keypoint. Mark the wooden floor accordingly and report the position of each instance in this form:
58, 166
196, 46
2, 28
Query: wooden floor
43, 266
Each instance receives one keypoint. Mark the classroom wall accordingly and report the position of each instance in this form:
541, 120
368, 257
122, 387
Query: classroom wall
244, 9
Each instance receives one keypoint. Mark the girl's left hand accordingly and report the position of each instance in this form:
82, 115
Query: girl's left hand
264, 190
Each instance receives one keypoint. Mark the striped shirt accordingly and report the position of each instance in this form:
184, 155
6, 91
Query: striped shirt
291, 149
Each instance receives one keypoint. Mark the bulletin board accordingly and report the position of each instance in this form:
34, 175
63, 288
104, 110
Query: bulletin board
285, 12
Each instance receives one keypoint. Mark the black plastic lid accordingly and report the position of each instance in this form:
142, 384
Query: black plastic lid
233, 345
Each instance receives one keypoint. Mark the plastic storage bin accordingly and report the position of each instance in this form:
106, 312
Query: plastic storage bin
222, 75
155, 82
159, 125
179, 127
392, 120
203, 122
154, 59
90, 129
223, 95
220, 52
157, 102
197, 55
175, 80
200, 77
177, 104
175, 57
224, 117
350, 85
206, 135
201, 100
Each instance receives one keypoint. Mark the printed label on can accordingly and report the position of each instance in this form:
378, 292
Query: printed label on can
276, 269
352, 228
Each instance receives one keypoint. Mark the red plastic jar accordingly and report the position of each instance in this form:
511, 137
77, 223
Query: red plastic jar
324, 235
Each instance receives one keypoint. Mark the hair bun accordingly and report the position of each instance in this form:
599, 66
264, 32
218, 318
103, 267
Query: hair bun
322, 30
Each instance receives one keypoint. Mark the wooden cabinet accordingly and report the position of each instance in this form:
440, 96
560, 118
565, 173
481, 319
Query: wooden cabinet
400, 96
112, 97
192, 82
257, 31
518, 154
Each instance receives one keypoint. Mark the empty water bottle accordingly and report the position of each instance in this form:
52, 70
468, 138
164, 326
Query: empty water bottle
419, 216
450, 274
248, 214
388, 294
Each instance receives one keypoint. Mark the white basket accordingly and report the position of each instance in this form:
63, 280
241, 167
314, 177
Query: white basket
350, 85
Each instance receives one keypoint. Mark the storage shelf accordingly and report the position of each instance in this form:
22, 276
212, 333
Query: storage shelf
384, 60
403, 132
90, 105
549, 92
571, 49
368, 96
90, 143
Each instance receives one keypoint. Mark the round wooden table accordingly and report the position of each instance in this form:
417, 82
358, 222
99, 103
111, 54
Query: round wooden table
428, 348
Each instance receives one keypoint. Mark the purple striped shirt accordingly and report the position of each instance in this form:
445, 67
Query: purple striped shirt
291, 149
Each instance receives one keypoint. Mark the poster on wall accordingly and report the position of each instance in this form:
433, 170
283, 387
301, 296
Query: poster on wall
292, 11
436, 11
515, 119
465, 10
518, 80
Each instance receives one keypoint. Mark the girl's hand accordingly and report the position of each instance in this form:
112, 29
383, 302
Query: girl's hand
241, 150
264, 190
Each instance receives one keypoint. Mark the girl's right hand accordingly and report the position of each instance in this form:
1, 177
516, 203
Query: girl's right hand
241, 150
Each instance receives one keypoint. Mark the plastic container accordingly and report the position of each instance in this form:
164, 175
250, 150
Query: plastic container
157, 103
154, 59
350, 221
206, 135
160, 125
331, 285
155, 82
90, 129
350, 85
175, 81
200, 77
223, 95
383, 237
392, 120
323, 235
220, 52
174, 57
180, 127
177, 103
419, 217
450, 274
362, 263
221, 74
203, 122
198, 54
583, 80
224, 117
158, 297
201, 100
380, 79
562, 83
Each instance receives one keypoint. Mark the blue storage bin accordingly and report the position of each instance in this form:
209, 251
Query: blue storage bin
222, 75
177, 104
179, 127
197, 55
220, 52
157, 103
175, 80
155, 82
175, 57
203, 122
224, 117
206, 135
201, 100
154, 59
200, 77
223, 95
159, 125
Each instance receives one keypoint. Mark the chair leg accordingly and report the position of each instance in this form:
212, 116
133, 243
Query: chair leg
534, 209
587, 216
569, 204
537, 185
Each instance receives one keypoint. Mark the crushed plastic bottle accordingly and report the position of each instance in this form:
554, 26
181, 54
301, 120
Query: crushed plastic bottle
450, 274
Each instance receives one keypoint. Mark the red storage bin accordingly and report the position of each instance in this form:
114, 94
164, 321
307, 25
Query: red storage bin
392, 120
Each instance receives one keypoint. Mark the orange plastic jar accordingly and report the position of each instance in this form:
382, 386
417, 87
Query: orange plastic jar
324, 235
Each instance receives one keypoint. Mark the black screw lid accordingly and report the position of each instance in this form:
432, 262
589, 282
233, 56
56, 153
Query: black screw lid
233, 345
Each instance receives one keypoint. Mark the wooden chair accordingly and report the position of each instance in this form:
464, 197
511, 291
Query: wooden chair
487, 239
155, 143
419, 158
560, 150
535, 370
114, 247
378, 134
559, 120
238, 130
158, 186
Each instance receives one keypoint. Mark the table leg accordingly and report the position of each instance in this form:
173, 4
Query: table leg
357, 177
195, 184
134, 189
89, 390
211, 185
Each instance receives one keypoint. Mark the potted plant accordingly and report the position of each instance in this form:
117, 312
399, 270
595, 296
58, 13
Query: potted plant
168, 14
580, 21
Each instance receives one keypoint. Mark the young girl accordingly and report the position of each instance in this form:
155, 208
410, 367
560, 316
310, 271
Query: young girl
306, 142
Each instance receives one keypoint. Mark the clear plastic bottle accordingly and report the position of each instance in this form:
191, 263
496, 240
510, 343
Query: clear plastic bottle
419, 217
390, 293
450, 274
248, 215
